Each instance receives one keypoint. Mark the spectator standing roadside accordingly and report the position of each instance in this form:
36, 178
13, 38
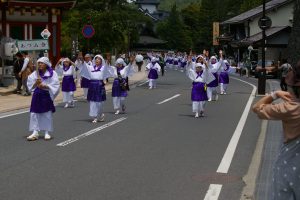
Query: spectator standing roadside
286, 172
26, 70
284, 68
18, 64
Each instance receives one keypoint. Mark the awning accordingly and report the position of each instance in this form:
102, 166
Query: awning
269, 32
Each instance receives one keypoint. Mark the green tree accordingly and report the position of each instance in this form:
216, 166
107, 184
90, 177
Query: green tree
175, 32
115, 22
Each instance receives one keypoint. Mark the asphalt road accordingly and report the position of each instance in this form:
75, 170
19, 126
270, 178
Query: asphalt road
153, 152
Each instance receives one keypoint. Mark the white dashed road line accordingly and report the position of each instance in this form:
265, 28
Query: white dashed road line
84, 135
169, 99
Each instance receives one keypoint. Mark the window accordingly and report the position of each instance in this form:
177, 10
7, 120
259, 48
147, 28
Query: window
17, 32
36, 31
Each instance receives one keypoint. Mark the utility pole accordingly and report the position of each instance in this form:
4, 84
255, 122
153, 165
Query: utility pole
264, 23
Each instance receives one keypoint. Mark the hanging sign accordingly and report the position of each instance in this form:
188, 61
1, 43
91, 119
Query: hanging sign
32, 45
88, 31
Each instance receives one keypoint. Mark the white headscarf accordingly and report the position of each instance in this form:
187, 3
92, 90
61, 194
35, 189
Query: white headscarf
44, 60
120, 61
98, 56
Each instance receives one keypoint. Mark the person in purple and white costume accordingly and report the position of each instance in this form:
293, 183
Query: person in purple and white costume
45, 85
200, 75
80, 63
154, 68
68, 82
121, 72
214, 67
96, 73
225, 70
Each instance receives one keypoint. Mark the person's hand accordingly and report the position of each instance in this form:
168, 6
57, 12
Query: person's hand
131, 59
286, 96
20, 74
189, 59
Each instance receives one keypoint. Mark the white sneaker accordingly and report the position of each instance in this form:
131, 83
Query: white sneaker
33, 137
47, 136
117, 112
209, 100
95, 121
196, 115
150, 88
102, 118
66, 106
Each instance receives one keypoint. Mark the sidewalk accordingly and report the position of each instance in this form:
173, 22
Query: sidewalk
10, 102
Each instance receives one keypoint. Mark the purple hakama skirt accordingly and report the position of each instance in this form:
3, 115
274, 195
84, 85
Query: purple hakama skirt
41, 102
153, 74
224, 78
117, 90
84, 82
215, 82
96, 91
199, 92
68, 84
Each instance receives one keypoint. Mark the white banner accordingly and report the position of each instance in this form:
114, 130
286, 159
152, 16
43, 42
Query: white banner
32, 45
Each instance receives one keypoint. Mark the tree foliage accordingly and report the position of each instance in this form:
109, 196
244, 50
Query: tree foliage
175, 31
117, 25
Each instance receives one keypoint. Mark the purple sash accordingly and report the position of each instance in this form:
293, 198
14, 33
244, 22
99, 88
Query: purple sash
96, 91
41, 101
68, 84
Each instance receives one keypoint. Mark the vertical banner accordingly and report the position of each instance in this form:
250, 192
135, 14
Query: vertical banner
216, 33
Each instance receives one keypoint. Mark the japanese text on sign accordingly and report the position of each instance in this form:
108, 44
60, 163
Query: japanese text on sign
32, 45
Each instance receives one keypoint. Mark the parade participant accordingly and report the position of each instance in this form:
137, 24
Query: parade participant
80, 63
176, 62
224, 76
45, 85
214, 67
96, 73
200, 76
286, 170
120, 86
154, 68
139, 60
68, 82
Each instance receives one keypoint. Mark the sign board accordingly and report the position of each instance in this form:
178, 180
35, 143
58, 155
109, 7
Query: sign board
216, 33
88, 31
32, 45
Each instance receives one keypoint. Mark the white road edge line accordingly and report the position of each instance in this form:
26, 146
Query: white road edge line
213, 192
143, 83
13, 114
228, 156
81, 136
169, 99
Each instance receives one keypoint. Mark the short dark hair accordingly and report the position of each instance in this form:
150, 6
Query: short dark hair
25, 52
19, 54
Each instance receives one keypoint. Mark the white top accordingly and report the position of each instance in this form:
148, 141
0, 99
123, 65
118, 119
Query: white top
52, 83
206, 76
26, 61
125, 72
156, 66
